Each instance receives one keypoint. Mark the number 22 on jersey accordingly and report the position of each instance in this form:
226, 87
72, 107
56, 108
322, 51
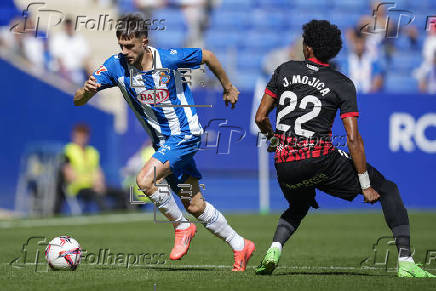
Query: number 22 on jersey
299, 121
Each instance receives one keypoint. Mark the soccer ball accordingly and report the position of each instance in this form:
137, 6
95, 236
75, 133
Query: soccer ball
63, 253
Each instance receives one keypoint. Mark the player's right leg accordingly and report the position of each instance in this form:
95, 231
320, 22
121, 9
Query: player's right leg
216, 223
300, 199
152, 174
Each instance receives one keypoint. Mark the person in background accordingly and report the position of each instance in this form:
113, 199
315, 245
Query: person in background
377, 26
147, 6
197, 17
83, 175
427, 77
70, 53
365, 71
133, 166
426, 73
21, 40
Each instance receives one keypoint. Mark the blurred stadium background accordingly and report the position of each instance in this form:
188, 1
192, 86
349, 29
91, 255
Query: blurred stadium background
395, 76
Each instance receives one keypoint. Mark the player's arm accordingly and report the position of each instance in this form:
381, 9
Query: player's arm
357, 151
88, 91
262, 119
231, 93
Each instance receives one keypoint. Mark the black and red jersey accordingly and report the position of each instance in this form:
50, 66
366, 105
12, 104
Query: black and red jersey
308, 95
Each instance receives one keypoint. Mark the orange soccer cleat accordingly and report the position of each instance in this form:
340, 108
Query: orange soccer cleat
242, 257
182, 241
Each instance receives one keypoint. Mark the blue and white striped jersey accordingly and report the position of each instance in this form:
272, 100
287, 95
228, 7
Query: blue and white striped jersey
146, 89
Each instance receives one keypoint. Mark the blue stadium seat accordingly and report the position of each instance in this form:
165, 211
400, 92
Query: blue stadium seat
174, 18
422, 5
274, 4
271, 20
249, 60
353, 5
229, 19
398, 83
222, 38
405, 61
311, 4
402, 43
168, 38
234, 5
246, 79
256, 40
298, 18
343, 20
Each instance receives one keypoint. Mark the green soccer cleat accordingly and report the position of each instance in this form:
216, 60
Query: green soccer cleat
269, 262
412, 270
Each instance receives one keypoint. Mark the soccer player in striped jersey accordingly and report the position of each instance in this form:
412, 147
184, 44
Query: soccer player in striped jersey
153, 88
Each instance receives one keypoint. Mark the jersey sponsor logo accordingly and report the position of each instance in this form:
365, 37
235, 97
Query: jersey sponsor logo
100, 70
153, 96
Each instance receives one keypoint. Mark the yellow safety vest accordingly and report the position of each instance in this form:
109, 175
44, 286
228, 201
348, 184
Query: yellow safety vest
85, 164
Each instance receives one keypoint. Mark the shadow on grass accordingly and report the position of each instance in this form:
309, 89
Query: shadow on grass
330, 274
165, 269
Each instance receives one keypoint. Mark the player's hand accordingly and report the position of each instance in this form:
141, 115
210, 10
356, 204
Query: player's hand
231, 95
273, 143
91, 85
370, 195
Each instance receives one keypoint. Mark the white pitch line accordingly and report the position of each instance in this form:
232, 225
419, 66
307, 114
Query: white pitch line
344, 268
280, 267
77, 220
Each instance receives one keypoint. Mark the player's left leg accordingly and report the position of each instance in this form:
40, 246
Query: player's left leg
216, 223
397, 220
343, 183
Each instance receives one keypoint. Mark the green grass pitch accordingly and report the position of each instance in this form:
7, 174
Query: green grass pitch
325, 254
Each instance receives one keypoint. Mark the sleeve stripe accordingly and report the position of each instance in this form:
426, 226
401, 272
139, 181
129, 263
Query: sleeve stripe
270, 93
350, 114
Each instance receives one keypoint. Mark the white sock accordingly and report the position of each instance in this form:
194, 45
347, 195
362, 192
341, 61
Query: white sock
276, 244
406, 259
216, 223
166, 204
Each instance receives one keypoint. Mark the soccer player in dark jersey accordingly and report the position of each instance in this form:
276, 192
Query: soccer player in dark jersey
307, 95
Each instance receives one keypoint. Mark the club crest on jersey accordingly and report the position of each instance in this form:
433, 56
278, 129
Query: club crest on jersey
153, 96
164, 78
100, 70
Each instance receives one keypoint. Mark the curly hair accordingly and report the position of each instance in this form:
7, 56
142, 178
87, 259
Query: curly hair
324, 38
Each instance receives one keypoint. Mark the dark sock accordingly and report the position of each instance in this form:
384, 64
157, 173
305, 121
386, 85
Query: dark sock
289, 222
396, 217
401, 234
283, 232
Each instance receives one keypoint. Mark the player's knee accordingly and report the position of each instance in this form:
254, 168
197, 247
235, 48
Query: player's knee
196, 208
145, 184
389, 188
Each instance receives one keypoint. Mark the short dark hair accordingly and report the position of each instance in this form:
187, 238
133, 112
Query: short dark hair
82, 128
324, 38
131, 25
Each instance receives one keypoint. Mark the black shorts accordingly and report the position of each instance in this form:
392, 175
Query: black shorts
333, 174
